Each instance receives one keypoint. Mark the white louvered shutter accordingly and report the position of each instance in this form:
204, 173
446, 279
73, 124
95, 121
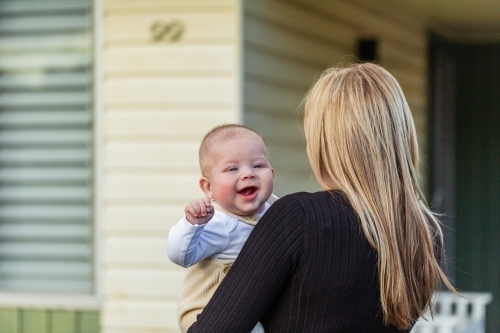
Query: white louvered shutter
46, 161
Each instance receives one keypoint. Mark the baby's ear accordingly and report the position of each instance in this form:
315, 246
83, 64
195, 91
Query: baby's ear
206, 187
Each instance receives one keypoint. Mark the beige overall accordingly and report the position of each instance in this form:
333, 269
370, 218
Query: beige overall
203, 278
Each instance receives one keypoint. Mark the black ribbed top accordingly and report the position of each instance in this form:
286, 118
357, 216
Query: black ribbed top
306, 267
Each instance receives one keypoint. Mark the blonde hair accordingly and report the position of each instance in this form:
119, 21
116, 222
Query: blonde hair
220, 134
362, 141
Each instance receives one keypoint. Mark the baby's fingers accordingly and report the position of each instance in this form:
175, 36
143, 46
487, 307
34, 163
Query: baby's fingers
196, 209
202, 207
207, 201
208, 204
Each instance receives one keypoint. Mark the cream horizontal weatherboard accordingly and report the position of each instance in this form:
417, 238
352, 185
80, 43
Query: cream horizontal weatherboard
168, 90
143, 315
140, 254
169, 123
179, 59
162, 154
160, 97
200, 27
154, 218
126, 283
167, 4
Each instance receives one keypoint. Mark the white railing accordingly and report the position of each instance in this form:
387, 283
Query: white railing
455, 314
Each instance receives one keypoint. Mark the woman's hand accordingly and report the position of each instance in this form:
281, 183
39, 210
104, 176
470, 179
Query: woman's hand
199, 211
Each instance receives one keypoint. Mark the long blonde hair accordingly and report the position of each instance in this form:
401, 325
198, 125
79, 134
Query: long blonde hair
362, 140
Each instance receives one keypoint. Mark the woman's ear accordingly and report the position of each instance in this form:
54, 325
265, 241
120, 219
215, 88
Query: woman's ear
206, 187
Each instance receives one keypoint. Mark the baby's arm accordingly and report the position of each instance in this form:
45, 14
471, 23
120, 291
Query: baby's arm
192, 239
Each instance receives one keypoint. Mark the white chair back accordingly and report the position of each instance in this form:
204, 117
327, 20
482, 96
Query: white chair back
455, 314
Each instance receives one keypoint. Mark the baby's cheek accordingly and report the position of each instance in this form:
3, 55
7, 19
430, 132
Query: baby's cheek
224, 193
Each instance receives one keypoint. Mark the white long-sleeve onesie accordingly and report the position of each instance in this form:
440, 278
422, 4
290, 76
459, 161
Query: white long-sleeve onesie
222, 237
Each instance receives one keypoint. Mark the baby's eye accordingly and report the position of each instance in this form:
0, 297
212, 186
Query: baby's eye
233, 169
257, 166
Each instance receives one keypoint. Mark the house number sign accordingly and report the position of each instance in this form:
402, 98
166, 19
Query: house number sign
167, 31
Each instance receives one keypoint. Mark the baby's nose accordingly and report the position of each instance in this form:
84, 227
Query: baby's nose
248, 174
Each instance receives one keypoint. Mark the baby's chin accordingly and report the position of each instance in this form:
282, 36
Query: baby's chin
234, 211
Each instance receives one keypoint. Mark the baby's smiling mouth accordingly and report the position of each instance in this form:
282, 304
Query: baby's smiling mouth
248, 191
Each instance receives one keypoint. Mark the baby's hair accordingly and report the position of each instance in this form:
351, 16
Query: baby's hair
220, 134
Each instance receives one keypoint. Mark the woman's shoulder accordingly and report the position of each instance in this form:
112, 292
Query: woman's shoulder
316, 201
314, 198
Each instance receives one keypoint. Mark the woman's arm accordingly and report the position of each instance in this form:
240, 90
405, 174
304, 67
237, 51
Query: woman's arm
260, 272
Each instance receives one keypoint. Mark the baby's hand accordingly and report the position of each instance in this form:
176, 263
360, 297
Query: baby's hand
199, 211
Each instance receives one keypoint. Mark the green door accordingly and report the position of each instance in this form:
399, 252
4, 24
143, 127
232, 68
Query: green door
478, 173
466, 163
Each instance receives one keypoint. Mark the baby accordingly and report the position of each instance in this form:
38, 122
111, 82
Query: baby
237, 179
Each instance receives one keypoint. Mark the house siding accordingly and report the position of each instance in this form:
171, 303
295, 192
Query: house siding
160, 99
237, 61
287, 44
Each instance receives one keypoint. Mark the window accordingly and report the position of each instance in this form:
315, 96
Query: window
46, 140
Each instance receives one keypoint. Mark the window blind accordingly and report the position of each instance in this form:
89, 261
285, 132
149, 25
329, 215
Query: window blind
46, 161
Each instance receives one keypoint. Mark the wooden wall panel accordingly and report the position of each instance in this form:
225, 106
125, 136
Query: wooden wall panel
213, 60
122, 219
288, 44
274, 98
169, 123
140, 316
166, 4
277, 130
48, 321
35, 321
160, 98
289, 182
161, 187
261, 34
375, 20
138, 251
289, 157
127, 283
134, 27
293, 17
180, 90
286, 72
158, 156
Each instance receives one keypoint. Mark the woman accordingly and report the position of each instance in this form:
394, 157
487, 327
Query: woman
362, 255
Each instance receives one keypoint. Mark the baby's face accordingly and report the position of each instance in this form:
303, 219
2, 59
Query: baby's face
240, 179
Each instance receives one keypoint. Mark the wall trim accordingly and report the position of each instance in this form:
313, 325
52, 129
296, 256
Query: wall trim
240, 63
466, 37
47, 301
98, 146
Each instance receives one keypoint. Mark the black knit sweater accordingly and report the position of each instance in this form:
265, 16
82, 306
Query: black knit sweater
306, 267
